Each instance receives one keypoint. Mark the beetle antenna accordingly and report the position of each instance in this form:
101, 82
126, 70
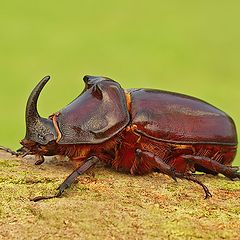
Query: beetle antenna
9, 150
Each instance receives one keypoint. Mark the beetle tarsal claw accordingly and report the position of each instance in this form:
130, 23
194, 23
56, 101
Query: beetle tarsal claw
191, 178
237, 171
39, 198
173, 174
174, 178
208, 194
233, 173
57, 195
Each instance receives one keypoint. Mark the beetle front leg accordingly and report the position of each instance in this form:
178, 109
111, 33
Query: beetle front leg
69, 180
228, 171
39, 159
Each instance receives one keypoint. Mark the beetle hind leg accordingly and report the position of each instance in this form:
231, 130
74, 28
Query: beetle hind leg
147, 160
214, 166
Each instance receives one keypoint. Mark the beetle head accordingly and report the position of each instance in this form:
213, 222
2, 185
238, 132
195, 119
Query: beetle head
39, 130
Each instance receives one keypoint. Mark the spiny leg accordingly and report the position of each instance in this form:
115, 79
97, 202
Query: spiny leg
228, 171
69, 180
153, 161
167, 169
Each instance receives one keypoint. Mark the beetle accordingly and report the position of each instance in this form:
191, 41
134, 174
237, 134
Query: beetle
133, 130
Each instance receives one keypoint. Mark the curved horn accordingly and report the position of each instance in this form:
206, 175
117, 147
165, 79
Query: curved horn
38, 129
32, 114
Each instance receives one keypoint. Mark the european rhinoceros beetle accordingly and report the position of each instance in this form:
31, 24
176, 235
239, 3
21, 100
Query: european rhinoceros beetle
135, 130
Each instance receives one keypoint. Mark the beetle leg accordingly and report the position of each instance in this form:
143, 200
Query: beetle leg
228, 171
191, 178
39, 159
153, 161
165, 168
9, 151
69, 180
78, 171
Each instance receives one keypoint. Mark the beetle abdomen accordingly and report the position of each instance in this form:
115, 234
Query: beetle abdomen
174, 117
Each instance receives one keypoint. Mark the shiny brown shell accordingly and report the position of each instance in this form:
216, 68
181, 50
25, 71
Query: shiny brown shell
177, 118
99, 113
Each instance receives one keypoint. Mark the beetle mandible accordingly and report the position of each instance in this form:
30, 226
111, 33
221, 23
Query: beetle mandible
135, 130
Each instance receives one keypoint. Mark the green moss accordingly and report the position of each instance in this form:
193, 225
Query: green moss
8, 163
113, 205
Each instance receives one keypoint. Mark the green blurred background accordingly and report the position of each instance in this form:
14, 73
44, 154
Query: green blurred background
192, 47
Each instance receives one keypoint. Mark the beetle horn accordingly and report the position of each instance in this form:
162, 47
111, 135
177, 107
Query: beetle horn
32, 115
38, 129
